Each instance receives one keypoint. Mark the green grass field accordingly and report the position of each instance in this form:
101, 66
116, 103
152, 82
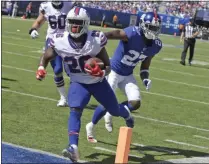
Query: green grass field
175, 111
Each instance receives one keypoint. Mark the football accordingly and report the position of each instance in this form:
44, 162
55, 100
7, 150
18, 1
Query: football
91, 62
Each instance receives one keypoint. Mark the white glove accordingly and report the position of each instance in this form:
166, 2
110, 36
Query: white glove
34, 34
147, 83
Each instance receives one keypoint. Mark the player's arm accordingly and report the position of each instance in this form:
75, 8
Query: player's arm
37, 24
44, 60
105, 58
144, 72
117, 34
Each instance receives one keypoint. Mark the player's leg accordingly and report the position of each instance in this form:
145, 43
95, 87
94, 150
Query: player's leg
78, 98
130, 87
104, 94
57, 67
113, 79
184, 52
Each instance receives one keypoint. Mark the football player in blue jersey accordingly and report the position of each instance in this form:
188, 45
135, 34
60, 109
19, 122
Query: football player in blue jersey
136, 44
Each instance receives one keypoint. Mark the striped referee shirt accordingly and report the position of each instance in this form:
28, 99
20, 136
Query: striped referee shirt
189, 30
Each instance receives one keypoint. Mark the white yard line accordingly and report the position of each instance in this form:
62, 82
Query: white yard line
202, 137
155, 148
152, 93
111, 151
186, 160
39, 151
18, 38
170, 123
27, 70
160, 79
20, 45
186, 144
177, 98
137, 116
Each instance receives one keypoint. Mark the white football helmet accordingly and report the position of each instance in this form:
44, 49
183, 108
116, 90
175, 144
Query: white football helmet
150, 23
77, 22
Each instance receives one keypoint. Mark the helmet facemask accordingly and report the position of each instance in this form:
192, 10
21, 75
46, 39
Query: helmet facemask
77, 27
151, 31
57, 4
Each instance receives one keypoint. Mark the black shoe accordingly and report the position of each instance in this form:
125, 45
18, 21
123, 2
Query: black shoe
182, 63
190, 63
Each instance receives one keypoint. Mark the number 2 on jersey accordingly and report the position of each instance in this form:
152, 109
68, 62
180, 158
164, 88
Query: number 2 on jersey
57, 22
132, 58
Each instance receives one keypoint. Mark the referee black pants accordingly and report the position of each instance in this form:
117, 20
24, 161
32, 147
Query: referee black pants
189, 42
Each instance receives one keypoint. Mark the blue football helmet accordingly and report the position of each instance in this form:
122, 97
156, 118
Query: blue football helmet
150, 23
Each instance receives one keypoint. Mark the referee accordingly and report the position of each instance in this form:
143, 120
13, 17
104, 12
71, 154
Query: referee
188, 34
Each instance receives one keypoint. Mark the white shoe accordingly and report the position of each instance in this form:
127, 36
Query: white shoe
62, 102
89, 133
108, 122
72, 153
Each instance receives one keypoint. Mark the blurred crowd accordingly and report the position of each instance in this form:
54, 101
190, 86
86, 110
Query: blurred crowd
175, 8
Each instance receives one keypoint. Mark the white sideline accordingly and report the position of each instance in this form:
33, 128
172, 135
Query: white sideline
202, 137
187, 160
186, 144
39, 151
111, 151
152, 93
160, 79
137, 116
155, 148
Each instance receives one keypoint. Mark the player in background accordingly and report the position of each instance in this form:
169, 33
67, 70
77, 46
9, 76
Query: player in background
136, 44
76, 46
55, 14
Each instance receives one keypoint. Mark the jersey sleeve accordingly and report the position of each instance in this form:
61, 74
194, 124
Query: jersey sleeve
129, 31
42, 8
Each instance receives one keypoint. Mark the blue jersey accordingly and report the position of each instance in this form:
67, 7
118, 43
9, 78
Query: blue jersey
128, 54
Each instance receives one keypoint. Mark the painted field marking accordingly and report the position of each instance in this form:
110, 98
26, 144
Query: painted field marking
111, 151
19, 45
170, 123
137, 116
186, 144
152, 93
155, 148
39, 151
202, 137
27, 70
160, 79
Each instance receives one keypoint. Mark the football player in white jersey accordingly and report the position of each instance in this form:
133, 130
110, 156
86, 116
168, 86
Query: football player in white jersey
54, 13
76, 46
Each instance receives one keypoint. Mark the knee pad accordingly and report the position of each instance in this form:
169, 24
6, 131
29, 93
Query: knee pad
135, 104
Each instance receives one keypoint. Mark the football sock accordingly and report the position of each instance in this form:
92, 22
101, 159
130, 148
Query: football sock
62, 92
59, 81
74, 124
98, 114
124, 111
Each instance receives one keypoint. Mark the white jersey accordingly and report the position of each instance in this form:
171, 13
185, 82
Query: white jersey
74, 58
55, 17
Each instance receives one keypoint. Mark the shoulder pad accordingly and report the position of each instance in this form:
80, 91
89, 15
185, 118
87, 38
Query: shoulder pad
43, 7
100, 37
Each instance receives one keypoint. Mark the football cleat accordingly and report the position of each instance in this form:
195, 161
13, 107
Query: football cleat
108, 122
89, 133
72, 153
130, 122
62, 102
